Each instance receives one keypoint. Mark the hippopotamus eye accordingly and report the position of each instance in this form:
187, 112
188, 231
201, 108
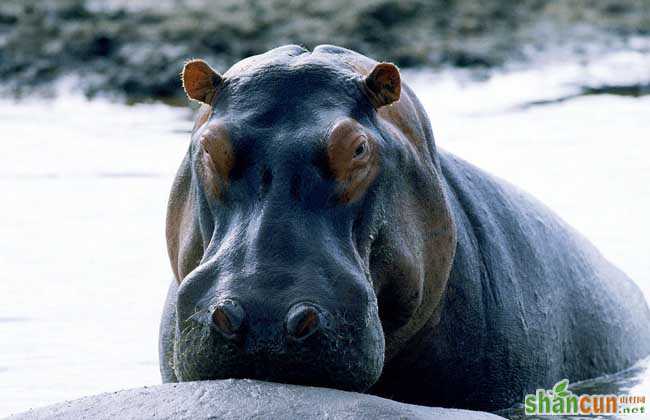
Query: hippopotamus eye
353, 159
361, 149
218, 159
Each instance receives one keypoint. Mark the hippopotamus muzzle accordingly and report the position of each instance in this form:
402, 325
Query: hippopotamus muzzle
278, 326
303, 319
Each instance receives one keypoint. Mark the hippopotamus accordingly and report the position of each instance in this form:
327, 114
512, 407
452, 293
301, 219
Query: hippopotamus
318, 236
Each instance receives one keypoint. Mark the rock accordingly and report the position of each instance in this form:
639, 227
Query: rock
241, 399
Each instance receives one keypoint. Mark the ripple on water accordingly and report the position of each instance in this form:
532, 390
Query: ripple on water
8, 319
632, 381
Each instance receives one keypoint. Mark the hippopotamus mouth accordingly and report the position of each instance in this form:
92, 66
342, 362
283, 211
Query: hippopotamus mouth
278, 229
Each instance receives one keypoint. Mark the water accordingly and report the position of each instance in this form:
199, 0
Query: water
84, 187
633, 381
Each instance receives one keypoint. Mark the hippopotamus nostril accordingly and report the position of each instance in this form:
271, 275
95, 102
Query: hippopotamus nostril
228, 317
303, 320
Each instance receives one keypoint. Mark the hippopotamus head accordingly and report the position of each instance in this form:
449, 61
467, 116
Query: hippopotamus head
305, 227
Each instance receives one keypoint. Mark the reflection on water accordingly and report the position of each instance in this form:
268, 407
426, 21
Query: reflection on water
85, 185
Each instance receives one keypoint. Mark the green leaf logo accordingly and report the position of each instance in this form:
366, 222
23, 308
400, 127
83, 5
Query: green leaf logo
560, 389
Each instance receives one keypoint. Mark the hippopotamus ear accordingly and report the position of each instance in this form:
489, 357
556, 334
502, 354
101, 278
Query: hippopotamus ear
200, 81
383, 84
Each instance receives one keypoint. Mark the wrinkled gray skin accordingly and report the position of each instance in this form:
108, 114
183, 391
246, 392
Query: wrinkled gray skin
241, 399
442, 286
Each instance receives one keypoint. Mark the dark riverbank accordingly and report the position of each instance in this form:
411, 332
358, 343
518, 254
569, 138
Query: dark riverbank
136, 50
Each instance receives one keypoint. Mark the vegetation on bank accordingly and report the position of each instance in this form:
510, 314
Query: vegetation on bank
136, 49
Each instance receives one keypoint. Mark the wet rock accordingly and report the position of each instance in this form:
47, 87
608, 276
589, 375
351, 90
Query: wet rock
241, 399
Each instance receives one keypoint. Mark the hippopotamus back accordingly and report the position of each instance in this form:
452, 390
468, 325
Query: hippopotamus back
529, 301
